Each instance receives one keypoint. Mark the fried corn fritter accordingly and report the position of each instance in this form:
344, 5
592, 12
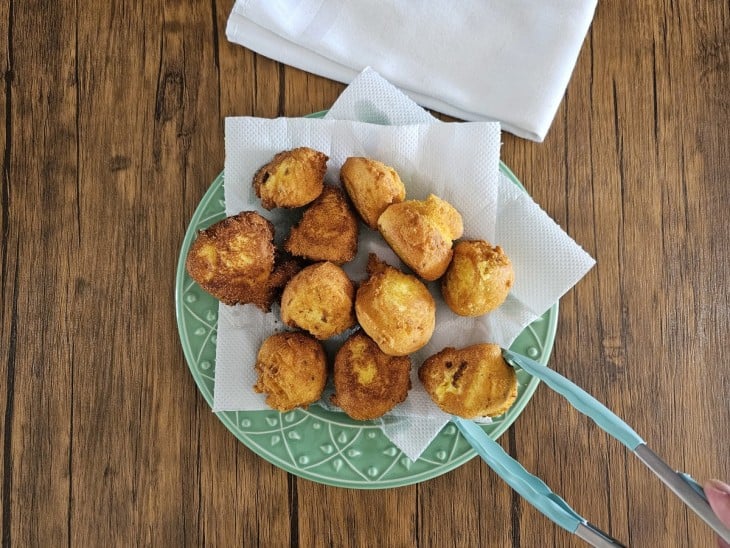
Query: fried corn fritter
292, 370
293, 178
421, 233
328, 230
471, 382
478, 279
234, 260
372, 187
368, 382
319, 300
395, 309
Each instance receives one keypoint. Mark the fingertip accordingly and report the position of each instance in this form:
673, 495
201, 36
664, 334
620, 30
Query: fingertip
720, 487
718, 495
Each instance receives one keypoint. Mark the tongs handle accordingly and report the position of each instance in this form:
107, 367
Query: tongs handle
686, 488
530, 487
681, 484
606, 419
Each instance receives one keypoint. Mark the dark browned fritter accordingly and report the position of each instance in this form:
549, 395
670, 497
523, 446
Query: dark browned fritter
234, 261
328, 230
368, 382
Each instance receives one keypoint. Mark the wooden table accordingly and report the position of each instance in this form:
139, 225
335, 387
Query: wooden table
113, 130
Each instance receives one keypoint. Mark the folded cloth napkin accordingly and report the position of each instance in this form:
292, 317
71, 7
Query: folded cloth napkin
459, 162
508, 61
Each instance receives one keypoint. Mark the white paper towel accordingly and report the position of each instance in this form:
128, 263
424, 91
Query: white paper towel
459, 162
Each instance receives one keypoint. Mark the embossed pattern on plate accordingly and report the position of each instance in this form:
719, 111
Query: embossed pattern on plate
320, 445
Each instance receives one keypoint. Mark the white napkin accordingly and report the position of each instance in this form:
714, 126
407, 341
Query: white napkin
459, 162
508, 61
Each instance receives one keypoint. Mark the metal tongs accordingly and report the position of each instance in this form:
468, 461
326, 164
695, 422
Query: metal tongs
537, 493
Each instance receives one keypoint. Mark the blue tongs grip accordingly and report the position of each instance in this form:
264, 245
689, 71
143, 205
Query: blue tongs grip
681, 484
530, 487
580, 399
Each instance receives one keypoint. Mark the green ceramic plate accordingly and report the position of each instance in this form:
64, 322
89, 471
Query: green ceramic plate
320, 445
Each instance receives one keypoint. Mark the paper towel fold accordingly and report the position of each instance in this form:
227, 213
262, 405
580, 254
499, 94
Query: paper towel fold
459, 162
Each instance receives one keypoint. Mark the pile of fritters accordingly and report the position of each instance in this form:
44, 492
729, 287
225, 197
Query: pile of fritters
236, 261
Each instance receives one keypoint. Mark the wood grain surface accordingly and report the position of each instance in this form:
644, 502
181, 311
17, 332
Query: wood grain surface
113, 130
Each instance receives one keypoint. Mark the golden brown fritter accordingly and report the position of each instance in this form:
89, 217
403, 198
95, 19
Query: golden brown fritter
292, 370
478, 279
471, 382
368, 382
234, 260
293, 178
319, 300
395, 309
328, 230
421, 233
372, 187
